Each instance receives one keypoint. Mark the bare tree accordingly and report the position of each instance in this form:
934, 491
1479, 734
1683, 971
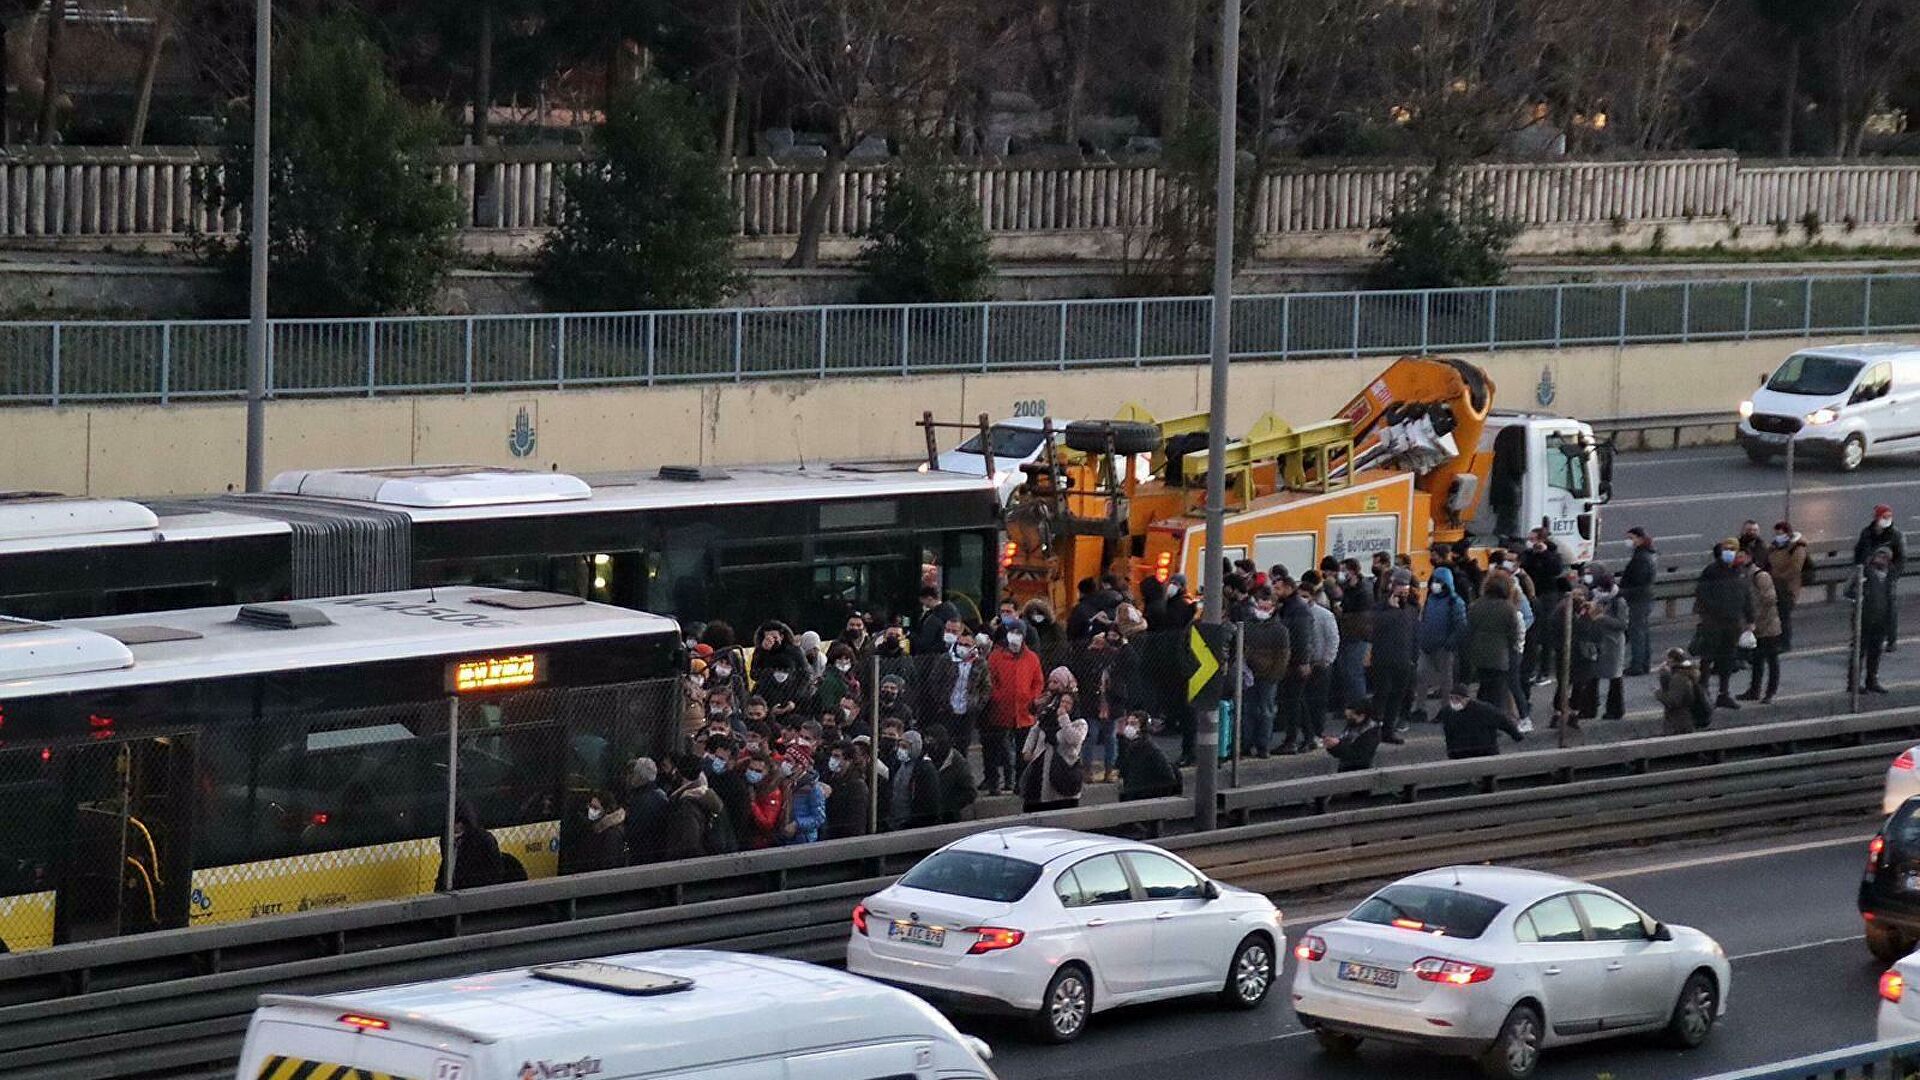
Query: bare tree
1176, 83
1299, 58
1868, 46
56, 20
1622, 72
1461, 76
860, 65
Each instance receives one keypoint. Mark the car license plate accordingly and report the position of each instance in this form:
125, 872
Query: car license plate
1385, 978
933, 937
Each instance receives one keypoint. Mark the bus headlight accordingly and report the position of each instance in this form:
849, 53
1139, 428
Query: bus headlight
1820, 417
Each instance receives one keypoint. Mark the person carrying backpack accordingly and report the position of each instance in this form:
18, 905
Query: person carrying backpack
1682, 693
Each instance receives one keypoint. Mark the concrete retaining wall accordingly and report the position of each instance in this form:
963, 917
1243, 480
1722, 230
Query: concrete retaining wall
155, 450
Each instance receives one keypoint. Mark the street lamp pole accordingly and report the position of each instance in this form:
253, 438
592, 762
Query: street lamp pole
1207, 748
257, 335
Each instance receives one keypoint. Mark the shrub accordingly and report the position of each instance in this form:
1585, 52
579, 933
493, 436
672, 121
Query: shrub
1440, 238
649, 224
926, 243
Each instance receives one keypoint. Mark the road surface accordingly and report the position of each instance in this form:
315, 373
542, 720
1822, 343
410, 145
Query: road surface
1782, 908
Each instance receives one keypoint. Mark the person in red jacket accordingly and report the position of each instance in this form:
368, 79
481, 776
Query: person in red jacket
1016, 678
769, 821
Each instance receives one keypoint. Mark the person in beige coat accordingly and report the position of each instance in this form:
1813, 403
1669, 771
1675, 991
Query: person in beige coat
1787, 562
1765, 606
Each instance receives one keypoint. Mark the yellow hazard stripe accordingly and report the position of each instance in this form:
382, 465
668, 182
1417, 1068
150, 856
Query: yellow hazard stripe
290, 1068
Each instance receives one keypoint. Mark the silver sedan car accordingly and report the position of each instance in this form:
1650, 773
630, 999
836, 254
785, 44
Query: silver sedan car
1497, 964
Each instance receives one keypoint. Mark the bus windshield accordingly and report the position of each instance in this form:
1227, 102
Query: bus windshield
1814, 375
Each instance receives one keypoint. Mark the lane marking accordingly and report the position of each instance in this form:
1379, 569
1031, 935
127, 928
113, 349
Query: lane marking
1757, 953
1767, 493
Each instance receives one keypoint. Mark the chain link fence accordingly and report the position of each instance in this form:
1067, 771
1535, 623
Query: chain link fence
55, 362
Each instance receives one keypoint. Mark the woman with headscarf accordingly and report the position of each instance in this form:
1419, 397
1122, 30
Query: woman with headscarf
1052, 779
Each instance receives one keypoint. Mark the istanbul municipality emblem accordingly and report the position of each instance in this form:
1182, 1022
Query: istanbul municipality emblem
523, 438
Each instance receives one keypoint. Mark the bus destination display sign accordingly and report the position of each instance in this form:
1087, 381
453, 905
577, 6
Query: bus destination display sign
496, 673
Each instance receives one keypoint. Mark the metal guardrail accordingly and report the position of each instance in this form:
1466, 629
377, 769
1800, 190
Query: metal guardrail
177, 1001
1895, 1059
57, 362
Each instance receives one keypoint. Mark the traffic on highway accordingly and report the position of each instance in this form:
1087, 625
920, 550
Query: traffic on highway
224, 729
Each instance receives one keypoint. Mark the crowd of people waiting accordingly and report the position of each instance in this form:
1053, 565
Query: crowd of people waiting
780, 744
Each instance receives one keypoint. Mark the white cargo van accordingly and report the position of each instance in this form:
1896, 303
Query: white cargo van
1836, 402
668, 1015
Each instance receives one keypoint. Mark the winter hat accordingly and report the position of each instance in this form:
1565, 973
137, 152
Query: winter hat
1883, 510
703, 650
1061, 679
1177, 583
894, 681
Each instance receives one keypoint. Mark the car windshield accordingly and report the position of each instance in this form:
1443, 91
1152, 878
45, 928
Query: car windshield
1008, 442
973, 874
1814, 375
1447, 912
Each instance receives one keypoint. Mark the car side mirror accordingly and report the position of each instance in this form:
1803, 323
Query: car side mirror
1662, 932
1209, 891
1763, 378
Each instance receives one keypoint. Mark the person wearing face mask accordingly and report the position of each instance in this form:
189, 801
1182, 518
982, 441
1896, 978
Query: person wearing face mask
847, 793
696, 822
1145, 772
960, 686
913, 797
1722, 604
842, 678
781, 673
769, 803
1609, 614
1790, 564
1395, 656
1875, 591
856, 637
1014, 680
1443, 631
1051, 778
935, 614
725, 780
1046, 636
599, 837
1881, 532
1472, 728
807, 795
1269, 649
1108, 671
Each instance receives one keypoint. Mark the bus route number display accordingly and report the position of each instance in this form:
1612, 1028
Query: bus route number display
496, 673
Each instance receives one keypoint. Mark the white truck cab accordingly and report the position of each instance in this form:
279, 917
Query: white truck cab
667, 1015
1836, 402
1546, 470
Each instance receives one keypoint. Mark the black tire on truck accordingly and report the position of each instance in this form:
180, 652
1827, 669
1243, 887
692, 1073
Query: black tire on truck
1128, 436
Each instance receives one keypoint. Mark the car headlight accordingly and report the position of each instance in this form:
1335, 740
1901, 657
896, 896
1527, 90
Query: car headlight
923, 467
1819, 417
1746, 409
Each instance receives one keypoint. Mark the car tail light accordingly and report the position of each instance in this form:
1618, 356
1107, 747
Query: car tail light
860, 918
1455, 972
365, 1023
993, 939
1876, 852
1904, 761
1311, 948
1892, 985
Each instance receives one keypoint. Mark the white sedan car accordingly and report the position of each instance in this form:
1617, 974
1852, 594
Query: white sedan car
1057, 925
1497, 964
1903, 780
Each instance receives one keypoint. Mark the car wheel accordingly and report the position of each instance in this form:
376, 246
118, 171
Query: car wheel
1852, 453
1337, 1043
1694, 1013
1128, 436
1515, 1052
1886, 944
1759, 455
1067, 1005
1250, 975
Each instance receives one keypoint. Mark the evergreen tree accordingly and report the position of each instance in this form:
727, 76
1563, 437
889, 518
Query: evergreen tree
926, 244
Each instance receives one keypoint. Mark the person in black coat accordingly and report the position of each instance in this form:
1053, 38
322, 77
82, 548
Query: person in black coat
476, 854
935, 613
1472, 728
1881, 532
1721, 602
647, 807
1145, 772
849, 799
1355, 747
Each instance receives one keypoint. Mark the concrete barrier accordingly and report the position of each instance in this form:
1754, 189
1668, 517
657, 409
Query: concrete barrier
191, 448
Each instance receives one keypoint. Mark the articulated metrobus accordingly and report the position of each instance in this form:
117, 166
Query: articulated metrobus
181, 768
743, 544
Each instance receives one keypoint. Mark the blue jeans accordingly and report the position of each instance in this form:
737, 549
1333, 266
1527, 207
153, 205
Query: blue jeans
1262, 702
1100, 733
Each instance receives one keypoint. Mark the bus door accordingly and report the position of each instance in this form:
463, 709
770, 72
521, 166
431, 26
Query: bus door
128, 866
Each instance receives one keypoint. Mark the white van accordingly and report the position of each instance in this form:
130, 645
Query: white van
670, 1015
1836, 403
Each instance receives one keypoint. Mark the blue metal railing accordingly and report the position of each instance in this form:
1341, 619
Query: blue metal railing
58, 362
